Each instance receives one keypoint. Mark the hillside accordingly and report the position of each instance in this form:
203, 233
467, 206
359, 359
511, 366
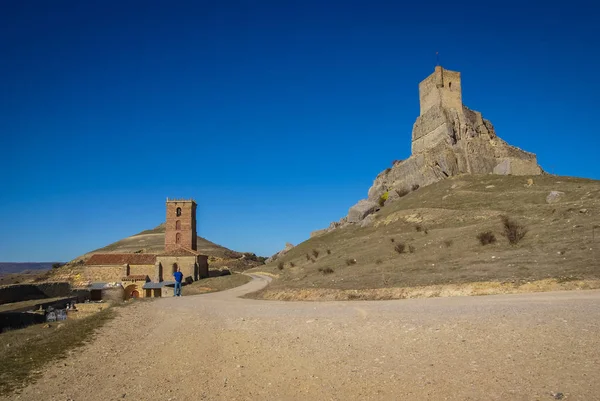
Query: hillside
438, 226
153, 241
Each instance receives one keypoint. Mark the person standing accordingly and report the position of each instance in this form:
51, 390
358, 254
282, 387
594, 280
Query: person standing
178, 278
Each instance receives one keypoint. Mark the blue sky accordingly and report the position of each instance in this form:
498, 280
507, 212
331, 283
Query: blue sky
275, 116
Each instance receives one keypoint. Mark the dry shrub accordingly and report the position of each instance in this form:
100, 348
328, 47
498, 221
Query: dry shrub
326, 270
280, 265
411, 249
486, 238
350, 262
329, 252
448, 243
513, 230
392, 239
378, 261
400, 247
292, 264
420, 228
308, 257
315, 253
415, 187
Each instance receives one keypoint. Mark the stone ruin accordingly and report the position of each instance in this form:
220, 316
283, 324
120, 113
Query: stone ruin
448, 139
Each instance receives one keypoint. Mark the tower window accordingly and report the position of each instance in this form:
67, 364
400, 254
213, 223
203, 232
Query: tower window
450, 85
178, 238
178, 211
178, 225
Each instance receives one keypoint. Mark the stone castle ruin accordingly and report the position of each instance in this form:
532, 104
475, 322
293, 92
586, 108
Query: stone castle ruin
448, 139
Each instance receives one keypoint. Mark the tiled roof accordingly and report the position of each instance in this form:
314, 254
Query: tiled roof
121, 259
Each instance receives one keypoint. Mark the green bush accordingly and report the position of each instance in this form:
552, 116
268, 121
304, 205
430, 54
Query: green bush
383, 198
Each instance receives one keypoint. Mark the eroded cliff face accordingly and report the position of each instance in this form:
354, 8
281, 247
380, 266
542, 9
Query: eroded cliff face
448, 139
448, 143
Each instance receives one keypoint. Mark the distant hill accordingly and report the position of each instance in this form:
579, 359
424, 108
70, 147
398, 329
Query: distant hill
24, 267
153, 241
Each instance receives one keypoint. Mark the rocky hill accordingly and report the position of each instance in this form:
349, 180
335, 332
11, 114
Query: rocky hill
465, 207
448, 139
153, 241
452, 233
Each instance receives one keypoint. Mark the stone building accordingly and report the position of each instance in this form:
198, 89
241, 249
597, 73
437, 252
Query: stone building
151, 275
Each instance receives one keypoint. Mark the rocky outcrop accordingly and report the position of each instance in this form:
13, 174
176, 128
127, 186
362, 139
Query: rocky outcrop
448, 139
361, 210
279, 254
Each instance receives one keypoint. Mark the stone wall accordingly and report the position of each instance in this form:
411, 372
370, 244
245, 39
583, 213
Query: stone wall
108, 273
182, 226
451, 91
146, 270
26, 292
430, 129
443, 87
185, 263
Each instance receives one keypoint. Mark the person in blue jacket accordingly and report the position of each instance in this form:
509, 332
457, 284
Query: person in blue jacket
178, 278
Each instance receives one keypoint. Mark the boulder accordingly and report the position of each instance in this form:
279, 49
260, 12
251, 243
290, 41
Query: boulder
554, 196
279, 254
361, 210
318, 232
367, 221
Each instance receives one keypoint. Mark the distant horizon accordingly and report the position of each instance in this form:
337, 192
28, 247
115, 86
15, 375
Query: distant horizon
275, 117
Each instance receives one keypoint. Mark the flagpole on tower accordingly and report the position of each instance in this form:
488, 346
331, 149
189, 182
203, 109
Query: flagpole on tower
437, 58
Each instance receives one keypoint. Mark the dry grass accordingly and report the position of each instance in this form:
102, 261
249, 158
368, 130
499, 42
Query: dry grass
460, 208
452, 290
26, 351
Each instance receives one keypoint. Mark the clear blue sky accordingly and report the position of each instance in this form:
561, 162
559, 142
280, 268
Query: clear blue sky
275, 116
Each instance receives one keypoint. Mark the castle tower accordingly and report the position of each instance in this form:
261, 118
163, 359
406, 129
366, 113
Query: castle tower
180, 230
442, 88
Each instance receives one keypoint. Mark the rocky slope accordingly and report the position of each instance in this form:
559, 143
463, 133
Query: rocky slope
448, 139
429, 237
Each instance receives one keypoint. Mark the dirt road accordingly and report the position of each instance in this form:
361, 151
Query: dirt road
219, 347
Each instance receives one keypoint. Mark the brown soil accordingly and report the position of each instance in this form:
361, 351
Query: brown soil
220, 347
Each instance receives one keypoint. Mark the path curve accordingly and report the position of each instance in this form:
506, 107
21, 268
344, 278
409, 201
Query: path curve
220, 347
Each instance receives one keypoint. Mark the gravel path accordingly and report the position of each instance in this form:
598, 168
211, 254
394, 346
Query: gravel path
220, 347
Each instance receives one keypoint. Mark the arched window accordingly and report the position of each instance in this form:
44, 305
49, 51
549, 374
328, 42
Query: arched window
174, 267
178, 211
178, 238
178, 225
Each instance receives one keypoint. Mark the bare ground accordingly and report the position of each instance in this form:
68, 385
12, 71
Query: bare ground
220, 347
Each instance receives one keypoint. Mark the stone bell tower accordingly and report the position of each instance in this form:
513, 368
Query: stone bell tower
180, 230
